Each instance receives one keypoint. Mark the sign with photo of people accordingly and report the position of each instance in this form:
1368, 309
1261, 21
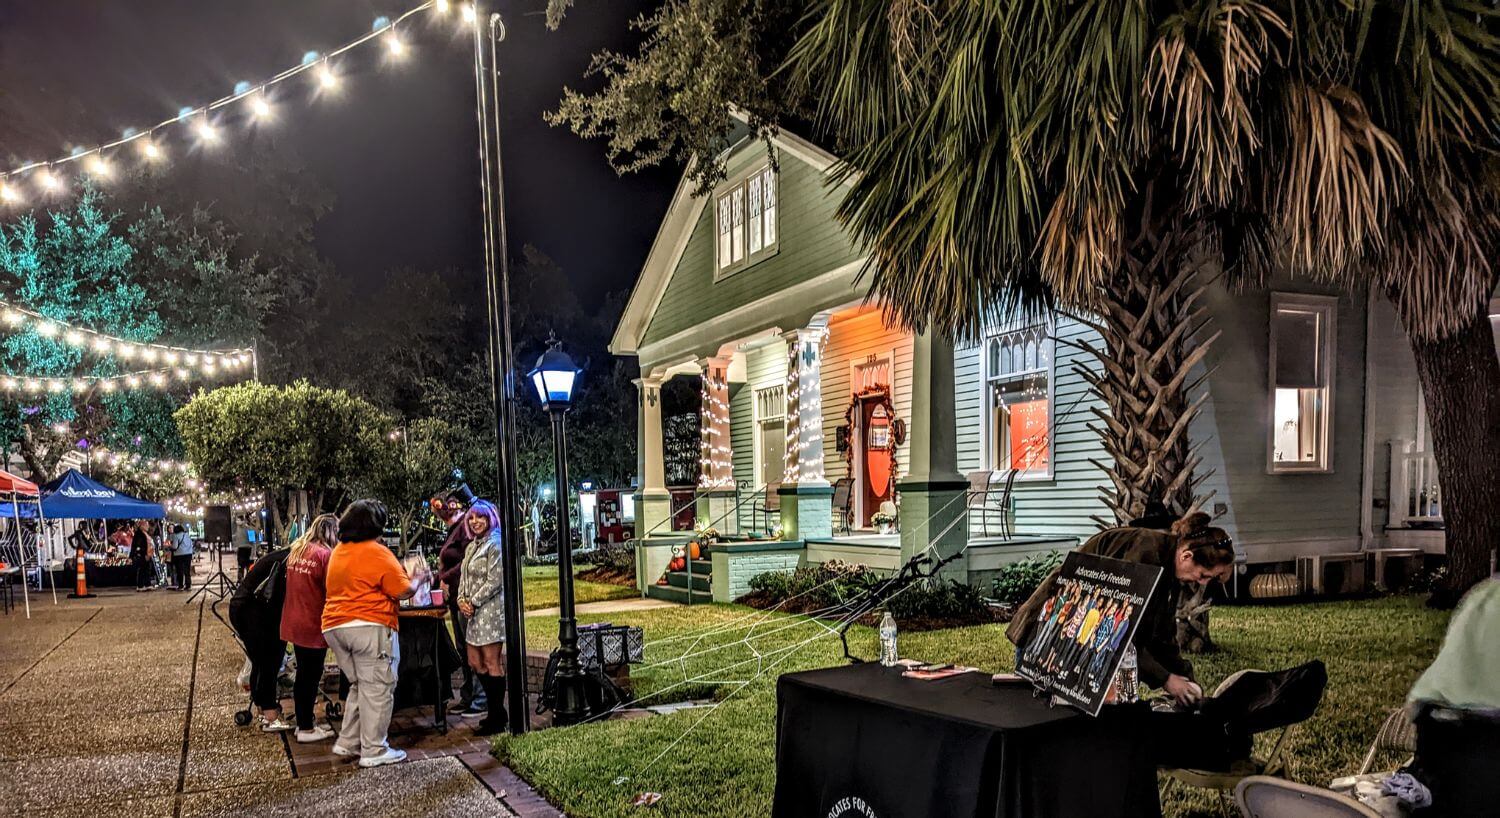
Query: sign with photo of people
1082, 630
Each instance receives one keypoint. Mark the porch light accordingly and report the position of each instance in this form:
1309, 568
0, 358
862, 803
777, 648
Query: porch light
553, 376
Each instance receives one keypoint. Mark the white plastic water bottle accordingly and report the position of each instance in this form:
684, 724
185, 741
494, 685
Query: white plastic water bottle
888, 654
1128, 677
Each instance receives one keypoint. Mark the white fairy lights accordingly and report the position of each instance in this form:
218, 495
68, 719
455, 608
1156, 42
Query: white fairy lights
35, 385
18, 319
716, 456
95, 160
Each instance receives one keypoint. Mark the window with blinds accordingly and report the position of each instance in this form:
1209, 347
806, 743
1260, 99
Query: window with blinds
1301, 389
1018, 381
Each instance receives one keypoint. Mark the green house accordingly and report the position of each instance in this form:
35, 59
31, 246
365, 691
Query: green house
819, 423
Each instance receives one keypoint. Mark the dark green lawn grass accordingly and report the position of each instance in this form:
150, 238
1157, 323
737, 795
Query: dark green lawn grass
720, 762
539, 588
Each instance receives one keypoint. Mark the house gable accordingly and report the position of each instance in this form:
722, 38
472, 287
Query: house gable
678, 288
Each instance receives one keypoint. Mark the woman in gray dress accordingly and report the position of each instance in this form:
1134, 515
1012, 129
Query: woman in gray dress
481, 599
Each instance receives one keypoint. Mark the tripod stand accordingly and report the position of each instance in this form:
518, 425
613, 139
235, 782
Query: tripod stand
220, 585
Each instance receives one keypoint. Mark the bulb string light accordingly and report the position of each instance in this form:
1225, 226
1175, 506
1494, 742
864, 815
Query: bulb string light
96, 158
39, 385
716, 456
19, 318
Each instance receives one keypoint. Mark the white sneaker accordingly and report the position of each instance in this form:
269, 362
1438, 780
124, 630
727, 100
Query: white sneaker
390, 756
343, 751
320, 732
280, 725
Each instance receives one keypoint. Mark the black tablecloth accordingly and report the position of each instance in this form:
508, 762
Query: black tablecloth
420, 682
862, 741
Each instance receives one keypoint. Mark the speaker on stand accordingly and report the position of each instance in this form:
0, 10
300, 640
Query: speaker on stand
218, 534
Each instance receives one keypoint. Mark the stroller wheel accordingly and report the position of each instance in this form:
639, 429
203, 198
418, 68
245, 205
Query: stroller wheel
334, 710
242, 718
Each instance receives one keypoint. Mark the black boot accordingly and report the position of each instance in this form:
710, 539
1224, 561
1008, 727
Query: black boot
494, 721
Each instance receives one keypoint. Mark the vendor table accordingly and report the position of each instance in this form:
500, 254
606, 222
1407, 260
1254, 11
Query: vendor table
100, 576
862, 740
428, 659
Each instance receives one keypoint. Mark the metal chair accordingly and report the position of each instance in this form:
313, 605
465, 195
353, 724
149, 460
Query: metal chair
770, 503
1223, 781
983, 489
1261, 796
1396, 735
843, 498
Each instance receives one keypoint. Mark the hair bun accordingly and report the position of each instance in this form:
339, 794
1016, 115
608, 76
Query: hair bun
1196, 521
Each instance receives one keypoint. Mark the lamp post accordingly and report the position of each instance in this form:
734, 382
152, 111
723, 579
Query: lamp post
554, 376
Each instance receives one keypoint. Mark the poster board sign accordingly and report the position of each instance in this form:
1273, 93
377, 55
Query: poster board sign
1082, 630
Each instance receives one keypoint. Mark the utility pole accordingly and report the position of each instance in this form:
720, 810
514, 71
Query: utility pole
490, 30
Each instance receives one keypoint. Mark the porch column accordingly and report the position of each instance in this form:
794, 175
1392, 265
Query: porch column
806, 496
932, 491
716, 494
653, 501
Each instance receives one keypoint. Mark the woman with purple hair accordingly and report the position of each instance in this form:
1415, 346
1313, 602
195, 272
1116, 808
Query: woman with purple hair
481, 599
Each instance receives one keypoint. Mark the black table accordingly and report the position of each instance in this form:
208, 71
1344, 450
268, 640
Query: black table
862, 741
428, 659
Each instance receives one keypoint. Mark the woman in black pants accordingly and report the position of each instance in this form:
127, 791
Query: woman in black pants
255, 614
140, 557
302, 619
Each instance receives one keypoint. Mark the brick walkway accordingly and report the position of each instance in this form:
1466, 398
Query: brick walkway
124, 705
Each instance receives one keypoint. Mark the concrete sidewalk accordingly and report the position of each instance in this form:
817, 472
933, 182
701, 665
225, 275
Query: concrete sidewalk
123, 705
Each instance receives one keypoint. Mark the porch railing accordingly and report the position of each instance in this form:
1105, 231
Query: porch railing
1415, 494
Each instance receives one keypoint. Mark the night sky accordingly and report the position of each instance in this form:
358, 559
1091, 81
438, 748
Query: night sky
396, 146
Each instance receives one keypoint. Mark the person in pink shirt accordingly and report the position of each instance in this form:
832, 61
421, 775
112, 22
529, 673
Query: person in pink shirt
302, 619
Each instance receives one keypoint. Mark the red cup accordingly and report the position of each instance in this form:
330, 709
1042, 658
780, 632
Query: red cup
437, 597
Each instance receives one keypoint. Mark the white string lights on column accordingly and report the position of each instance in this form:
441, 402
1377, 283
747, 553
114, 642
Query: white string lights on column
98, 162
208, 360
716, 455
804, 374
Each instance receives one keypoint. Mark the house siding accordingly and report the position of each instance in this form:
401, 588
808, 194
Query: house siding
1065, 505
1394, 383
810, 242
1277, 516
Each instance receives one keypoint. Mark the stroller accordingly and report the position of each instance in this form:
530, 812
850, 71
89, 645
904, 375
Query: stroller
332, 708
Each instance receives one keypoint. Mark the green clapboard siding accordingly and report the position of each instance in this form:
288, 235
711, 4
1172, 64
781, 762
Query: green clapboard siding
810, 243
1064, 505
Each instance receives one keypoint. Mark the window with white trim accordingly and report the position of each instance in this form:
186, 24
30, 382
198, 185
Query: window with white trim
745, 213
1018, 401
1302, 330
770, 435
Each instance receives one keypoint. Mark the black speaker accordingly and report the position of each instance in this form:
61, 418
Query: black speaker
217, 525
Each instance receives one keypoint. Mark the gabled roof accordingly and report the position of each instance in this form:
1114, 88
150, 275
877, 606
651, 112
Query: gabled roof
672, 238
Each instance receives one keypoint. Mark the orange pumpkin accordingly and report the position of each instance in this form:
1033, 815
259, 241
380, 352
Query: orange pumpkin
695, 550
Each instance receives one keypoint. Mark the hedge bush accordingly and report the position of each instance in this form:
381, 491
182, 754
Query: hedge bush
1018, 580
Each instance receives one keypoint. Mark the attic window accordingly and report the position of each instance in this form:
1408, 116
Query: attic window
746, 219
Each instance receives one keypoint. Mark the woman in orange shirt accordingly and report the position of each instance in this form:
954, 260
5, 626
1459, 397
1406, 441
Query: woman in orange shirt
365, 581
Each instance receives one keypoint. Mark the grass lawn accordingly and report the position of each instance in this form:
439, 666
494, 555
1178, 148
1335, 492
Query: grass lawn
539, 588
720, 762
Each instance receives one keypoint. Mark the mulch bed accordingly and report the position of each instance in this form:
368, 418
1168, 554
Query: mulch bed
992, 614
609, 576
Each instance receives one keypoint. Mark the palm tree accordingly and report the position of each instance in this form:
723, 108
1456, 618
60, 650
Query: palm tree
1103, 157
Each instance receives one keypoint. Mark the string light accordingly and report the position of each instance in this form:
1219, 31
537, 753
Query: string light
9, 194
470, 13
95, 158
19, 318
716, 455
36, 385
48, 181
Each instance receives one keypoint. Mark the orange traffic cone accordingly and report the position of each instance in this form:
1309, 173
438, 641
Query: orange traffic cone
81, 589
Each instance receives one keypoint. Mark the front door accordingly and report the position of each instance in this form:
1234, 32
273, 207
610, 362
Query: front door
873, 455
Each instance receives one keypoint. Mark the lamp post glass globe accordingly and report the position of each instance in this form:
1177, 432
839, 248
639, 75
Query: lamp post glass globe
554, 376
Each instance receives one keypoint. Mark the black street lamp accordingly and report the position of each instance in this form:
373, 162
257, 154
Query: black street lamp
554, 376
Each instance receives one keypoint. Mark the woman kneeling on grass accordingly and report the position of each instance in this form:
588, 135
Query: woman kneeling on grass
1192, 552
481, 600
365, 581
302, 619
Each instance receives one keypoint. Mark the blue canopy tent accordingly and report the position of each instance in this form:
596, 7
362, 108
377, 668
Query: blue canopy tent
76, 497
